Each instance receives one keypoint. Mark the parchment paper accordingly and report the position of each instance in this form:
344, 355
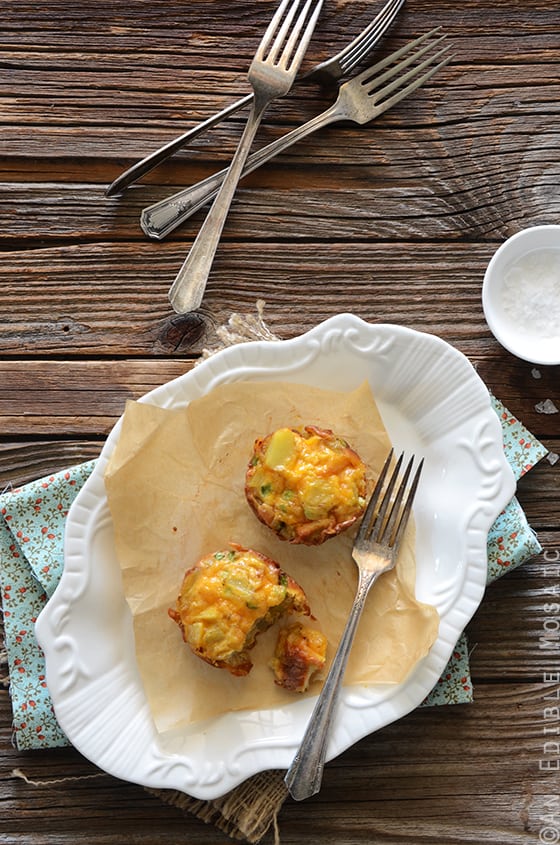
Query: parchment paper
175, 487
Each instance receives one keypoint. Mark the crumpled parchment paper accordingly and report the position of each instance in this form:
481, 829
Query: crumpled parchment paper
175, 487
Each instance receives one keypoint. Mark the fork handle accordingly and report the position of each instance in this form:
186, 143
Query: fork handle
188, 288
140, 168
146, 164
305, 774
161, 218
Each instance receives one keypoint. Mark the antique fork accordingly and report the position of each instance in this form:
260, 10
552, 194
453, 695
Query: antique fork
328, 71
361, 99
272, 73
375, 551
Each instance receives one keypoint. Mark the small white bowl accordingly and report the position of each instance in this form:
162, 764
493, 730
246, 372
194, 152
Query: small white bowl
521, 295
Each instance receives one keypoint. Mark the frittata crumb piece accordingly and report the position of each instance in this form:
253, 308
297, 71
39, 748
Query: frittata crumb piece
299, 656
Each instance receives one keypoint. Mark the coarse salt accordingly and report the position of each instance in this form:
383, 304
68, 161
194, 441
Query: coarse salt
546, 407
531, 293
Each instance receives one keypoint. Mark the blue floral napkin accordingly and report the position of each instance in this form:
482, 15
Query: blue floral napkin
31, 561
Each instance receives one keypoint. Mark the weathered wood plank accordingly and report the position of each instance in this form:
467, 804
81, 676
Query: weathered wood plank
24, 462
48, 294
314, 206
381, 167
99, 388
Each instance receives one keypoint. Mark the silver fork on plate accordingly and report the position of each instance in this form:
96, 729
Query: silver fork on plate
375, 551
271, 74
361, 99
328, 71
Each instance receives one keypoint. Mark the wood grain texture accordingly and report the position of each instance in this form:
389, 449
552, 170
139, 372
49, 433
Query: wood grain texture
394, 221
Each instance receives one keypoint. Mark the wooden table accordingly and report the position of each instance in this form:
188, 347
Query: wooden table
395, 222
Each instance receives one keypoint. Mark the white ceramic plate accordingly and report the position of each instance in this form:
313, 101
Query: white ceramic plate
432, 403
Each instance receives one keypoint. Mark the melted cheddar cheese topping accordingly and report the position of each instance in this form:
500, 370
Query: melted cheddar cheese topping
227, 599
302, 482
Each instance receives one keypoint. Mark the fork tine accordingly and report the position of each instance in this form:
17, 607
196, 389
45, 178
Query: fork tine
416, 83
291, 32
388, 533
377, 528
303, 42
362, 44
399, 531
272, 29
294, 33
389, 60
375, 80
366, 519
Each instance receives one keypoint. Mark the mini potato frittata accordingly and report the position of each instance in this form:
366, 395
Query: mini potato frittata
299, 655
306, 484
230, 597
